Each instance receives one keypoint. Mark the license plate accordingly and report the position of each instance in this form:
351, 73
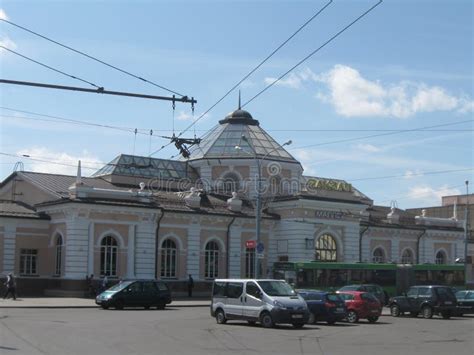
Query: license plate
339, 309
296, 316
448, 302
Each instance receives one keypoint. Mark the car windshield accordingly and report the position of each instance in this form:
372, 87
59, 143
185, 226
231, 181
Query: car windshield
119, 286
277, 288
349, 288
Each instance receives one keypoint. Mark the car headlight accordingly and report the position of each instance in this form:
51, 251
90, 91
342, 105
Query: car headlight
278, 304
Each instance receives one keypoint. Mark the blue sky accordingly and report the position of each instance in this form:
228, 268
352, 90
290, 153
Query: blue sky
407, 65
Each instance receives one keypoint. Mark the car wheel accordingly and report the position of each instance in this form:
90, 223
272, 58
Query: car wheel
395, 310
312, 318
266, 320
298, 325
104, 306
427, 312
251, 322
414, 314
352, 317
446, 315
373, 319
220, 317
118, 304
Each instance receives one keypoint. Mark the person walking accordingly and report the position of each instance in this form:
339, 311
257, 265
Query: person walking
11, 286
190, 286
105, 281
91, 286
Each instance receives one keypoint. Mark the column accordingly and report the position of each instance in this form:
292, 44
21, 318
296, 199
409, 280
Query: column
9, 245
77, 247
90, 263
193, 257
145, 245
131, 252
234, 251
395, 251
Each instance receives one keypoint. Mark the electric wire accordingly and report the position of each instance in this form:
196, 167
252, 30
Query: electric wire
92, 57
411, 175
419, 194
255, 68
380, 135
313, 53
50, 68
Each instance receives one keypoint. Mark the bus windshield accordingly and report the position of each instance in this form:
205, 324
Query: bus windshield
277, 288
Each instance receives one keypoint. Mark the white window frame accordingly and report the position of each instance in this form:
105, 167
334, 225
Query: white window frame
169, 260
108, 256
250, 263
58, 255
28, 262
211, 260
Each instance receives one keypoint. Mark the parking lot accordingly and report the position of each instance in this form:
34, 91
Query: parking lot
193, 331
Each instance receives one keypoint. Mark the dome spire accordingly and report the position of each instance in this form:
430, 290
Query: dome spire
239, 101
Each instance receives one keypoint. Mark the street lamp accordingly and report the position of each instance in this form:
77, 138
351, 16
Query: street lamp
259, 195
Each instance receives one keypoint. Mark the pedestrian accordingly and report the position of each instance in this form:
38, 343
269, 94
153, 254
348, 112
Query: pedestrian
91, 286
11, 286
104, 283
190, 286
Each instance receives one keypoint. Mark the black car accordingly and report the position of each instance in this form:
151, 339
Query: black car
376, 290
427, 300
465, 302
135, 293
324, 306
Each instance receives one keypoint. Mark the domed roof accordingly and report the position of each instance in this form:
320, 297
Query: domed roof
239, 116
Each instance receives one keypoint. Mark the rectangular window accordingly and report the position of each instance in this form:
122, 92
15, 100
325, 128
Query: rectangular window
28, 261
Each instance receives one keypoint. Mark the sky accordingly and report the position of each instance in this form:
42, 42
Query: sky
387, 106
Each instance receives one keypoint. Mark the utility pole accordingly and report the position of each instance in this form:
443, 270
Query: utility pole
466, 232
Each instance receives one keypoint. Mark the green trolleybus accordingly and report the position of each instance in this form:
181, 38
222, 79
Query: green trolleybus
394, 278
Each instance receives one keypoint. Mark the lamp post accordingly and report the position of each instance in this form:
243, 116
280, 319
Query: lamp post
259, 195
466, 231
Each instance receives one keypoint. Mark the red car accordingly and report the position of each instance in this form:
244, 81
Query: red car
361, 305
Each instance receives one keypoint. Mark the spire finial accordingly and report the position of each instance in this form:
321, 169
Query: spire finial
79, 177
239, 100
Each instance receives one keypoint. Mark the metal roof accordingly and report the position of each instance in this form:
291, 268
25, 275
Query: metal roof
18, 209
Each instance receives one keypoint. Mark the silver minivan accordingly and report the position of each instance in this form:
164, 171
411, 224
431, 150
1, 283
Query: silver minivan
266, 301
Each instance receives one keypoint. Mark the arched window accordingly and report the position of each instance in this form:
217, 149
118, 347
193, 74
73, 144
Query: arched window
169, 258
440, 257
378, 256
211, 260
250, 263
326, 248
275, 186
108, 256
58, 252
407, 257
229, 183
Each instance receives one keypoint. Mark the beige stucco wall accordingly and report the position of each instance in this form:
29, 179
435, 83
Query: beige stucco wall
25, 192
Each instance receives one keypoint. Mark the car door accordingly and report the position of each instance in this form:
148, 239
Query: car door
132, 294
149, 293
233, 307
412, 300
252, 301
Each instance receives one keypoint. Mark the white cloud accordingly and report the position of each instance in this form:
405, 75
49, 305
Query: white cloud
184, 116
293, 81
429, 196
352, 95
53, 162
3, 15
410, 174
369, 148
8, 43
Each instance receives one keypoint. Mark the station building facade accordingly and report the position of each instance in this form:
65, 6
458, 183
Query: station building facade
142, 217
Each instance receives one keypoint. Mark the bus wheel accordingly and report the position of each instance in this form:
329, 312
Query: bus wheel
395, 310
